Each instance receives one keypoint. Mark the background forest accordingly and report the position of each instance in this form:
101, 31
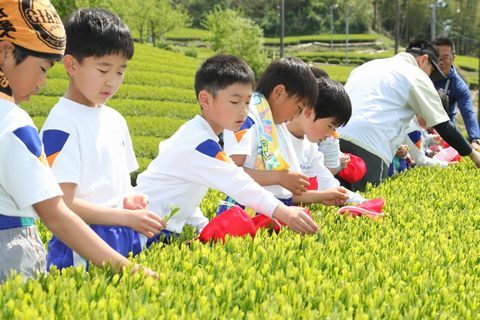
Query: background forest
459, 19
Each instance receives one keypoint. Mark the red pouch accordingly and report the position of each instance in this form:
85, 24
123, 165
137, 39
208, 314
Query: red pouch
313, 183
371, 208
234, 222
355, 169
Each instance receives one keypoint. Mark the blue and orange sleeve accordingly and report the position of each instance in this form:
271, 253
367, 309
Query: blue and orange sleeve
244, 128
28, 135
54, 141
212, 149
416, 137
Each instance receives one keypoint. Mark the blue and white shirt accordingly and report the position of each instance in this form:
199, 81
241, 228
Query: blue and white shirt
189, 163
25, 178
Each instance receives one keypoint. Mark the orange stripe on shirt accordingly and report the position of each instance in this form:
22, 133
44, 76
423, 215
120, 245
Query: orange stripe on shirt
222, 156
51, 158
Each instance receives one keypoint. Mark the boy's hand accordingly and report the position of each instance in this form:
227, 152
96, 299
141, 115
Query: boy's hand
145, 270
135, 202
436, 139
344, 160
475, 156
476, 144
402, 152
335, 196
295, 182
145, 222
296, 219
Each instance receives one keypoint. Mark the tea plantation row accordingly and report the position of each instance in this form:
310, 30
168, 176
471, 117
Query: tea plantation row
420, 261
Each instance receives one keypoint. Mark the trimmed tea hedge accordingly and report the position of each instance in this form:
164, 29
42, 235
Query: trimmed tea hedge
420, 261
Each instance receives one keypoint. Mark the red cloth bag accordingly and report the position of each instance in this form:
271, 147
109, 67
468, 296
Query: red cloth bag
262, 221
313, 183
234, 222
371, 208
355, 169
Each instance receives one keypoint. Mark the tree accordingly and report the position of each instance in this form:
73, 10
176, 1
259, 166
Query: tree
135, 14
234, 34
64, 7
165, 18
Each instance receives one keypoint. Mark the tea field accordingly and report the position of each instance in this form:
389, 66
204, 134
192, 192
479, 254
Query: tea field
421, 261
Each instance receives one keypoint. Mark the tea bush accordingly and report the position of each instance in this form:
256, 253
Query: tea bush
420, 261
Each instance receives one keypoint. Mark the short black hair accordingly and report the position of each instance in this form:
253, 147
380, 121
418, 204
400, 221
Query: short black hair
420, 47
332, 101
97, 33
445, 41
294, 74
22, 53
220, 71
319, 73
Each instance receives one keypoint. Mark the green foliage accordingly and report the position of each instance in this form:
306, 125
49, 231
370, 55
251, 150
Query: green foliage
467, 63
187, 34
418, 262
338, 72
64, 7
155, 17
301, 17
353, 61
336, 38
233, 34
191, 52
165, 18
334, 61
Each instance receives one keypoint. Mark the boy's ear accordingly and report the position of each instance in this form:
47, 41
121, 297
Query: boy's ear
278, 92
6, 49
70, 63
308, 112
205, 99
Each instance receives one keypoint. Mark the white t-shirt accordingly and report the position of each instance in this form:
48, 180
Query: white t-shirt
190, 162
330, 148
90, 147
248, 146
385, 95
25, 178
312, 165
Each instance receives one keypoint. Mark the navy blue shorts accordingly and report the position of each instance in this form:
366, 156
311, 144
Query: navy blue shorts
164, 237
122, 239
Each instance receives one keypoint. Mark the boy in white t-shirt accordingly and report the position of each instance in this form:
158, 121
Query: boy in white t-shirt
88, 144
191, 161
333, 159
27, 186
332, 109
262, 145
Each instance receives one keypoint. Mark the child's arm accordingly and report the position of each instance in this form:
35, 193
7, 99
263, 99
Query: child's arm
330, 197
69, 228
295, 182
208, 165
143, 221
295, 218
328, 191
